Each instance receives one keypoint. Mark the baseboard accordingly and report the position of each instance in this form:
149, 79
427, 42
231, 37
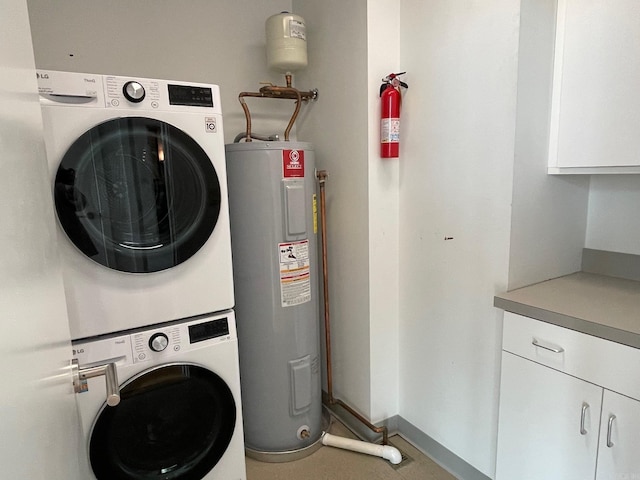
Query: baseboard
438, 453
423, 442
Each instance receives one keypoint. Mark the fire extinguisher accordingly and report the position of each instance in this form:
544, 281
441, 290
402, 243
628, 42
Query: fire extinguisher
391, 98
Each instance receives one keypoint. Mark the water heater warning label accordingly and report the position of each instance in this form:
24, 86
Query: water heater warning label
295, 280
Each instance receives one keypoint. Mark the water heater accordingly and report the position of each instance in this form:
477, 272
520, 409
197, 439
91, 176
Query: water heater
272, 202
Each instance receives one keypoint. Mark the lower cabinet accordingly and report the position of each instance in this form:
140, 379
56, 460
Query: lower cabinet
554, 425
619, 453
541, 415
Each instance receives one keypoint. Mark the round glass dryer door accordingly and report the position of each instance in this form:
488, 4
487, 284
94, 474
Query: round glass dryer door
137, 195
173, 422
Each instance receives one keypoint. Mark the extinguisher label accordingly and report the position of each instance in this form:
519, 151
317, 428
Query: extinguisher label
295, 279
292, 163
390, 130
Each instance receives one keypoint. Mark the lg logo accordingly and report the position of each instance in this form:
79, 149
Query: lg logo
42, 75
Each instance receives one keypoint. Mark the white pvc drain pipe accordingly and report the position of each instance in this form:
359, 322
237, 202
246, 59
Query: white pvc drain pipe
384, 451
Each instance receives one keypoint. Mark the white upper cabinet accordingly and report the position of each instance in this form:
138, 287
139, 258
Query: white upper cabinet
595, 112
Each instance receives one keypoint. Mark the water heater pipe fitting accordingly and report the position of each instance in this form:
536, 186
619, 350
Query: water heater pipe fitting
384, 451
274, 91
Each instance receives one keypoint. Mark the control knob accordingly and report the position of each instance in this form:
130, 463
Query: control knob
158, 342
133, 91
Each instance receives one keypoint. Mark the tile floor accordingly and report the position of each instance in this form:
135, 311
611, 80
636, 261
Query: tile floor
330, 463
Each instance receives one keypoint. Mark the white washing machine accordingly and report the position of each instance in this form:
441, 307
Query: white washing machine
179, 416
139, 181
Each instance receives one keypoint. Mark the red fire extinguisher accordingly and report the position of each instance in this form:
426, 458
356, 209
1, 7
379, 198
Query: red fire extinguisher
391, 98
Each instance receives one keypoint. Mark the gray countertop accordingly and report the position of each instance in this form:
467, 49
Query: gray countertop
599, 305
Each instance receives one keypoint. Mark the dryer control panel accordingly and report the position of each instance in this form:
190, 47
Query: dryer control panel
127, 93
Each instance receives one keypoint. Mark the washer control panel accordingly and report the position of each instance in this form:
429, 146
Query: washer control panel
171, 339
143, 345
149, 344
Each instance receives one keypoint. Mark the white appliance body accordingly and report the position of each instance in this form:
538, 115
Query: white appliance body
102, 299
180, 411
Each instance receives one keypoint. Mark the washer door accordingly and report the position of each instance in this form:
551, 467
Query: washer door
173, 422
137, 195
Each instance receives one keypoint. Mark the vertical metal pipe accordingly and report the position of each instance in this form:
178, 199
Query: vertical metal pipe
322, 178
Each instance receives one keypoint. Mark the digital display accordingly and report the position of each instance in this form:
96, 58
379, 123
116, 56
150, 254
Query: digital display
190, 96
207, 330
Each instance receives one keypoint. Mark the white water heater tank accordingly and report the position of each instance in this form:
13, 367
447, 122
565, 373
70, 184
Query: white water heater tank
286, 42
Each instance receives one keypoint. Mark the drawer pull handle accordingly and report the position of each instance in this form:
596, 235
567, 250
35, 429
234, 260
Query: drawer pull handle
609, 430
585, 406
546, 346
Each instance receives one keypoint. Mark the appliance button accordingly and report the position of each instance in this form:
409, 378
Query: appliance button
158, 342
133, 91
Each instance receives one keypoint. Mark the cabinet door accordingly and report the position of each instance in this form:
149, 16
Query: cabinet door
619, 438
540, 423
595, 120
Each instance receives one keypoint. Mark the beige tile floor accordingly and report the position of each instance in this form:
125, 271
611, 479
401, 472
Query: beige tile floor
330, 463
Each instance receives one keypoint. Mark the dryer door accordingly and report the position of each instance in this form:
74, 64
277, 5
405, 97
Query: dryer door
173, 422
137, 195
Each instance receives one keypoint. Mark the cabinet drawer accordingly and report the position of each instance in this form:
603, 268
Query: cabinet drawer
605, 363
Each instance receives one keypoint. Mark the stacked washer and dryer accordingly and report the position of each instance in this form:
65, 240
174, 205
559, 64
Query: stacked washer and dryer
139, 180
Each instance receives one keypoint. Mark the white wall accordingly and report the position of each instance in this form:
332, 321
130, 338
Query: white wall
352, 45
456, 176
219, 42
549, 212
338, 127
614, 223
383, 41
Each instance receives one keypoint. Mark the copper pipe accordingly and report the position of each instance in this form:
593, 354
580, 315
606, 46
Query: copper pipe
382, 430
322, 177
247, 116
273, 91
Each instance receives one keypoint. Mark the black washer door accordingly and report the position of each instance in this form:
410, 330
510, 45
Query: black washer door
173, 423
137, 195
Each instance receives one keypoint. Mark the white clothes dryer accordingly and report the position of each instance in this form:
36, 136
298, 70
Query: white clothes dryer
139, 181
179, 416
